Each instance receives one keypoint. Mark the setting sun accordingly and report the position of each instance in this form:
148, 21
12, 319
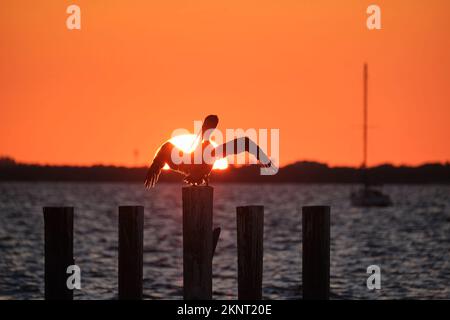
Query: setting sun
188, 142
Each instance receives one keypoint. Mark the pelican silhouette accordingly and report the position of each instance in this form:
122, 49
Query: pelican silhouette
198, 173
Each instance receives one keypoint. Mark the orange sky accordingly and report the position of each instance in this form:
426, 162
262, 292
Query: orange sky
139, 69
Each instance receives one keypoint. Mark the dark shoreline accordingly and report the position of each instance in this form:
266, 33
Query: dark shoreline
300, 172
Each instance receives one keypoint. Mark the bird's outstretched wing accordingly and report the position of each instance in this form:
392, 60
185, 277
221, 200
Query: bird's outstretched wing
242, 144
162, 157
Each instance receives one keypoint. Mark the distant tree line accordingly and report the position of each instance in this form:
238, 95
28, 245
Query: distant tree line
300, 172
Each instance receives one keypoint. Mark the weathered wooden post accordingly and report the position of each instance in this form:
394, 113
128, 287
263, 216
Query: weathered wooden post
316, 252
58, 225
216, 235
197, 242
250, 230
131, 243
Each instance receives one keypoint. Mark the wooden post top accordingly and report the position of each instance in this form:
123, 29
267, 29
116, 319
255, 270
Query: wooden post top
197, 187
316, 207
250, 207
57, 210
131, 207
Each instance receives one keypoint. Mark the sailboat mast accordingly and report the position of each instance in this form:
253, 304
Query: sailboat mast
365, 118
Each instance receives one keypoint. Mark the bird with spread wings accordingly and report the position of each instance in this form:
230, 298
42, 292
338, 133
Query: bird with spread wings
198, 173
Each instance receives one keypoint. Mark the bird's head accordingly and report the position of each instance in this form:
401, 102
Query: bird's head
209, 124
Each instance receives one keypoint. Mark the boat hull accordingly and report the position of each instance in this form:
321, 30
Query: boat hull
370, 198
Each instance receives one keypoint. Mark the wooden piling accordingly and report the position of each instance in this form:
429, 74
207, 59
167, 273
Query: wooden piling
131, 236
58, 225
316, 252
250, 230
197, 242
216, 235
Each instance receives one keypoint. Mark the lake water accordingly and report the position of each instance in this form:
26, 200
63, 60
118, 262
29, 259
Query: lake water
410, 241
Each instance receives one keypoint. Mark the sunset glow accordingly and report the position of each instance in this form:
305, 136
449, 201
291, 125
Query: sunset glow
113, 91
188, 142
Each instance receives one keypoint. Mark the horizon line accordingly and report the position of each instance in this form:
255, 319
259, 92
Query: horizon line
139, 166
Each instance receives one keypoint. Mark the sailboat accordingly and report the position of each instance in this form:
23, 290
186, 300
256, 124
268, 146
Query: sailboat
368, 196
